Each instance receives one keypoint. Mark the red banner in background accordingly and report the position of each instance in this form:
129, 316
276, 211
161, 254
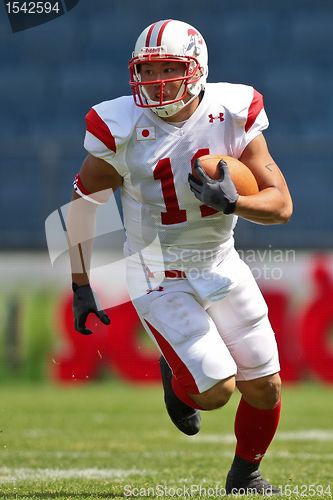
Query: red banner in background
316, 324
114, 346
303, 336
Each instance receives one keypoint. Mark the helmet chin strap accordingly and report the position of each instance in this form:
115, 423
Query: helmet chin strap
172, 109
168, 109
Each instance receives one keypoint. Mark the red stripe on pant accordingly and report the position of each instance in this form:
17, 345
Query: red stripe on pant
182, 379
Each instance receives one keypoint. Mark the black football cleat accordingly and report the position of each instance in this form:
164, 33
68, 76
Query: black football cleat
252, 484
185, 418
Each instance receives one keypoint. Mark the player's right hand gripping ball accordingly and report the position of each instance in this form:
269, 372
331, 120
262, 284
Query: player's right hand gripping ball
84, 303
220, 194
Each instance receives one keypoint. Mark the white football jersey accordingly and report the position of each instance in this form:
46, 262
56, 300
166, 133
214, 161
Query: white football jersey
154, 158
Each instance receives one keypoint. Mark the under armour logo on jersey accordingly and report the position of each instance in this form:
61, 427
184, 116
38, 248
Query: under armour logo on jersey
145, 133
219, 117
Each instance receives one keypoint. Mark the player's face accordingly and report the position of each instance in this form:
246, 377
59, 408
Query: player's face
165, 71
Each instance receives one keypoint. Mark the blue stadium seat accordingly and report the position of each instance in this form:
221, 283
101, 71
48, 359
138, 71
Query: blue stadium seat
291, 96
312, 35
21, 88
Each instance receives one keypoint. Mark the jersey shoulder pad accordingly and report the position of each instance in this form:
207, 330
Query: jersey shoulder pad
109, 124
242, 101
245, 107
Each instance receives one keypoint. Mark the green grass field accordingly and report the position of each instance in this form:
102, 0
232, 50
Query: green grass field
104, 440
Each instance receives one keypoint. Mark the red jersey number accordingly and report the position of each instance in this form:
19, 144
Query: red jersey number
163, 172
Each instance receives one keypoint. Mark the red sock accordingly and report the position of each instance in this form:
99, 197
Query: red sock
255, 429
182, 394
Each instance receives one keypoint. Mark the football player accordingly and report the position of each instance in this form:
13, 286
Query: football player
207, 315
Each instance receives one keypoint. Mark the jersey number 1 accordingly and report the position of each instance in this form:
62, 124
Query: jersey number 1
163, 172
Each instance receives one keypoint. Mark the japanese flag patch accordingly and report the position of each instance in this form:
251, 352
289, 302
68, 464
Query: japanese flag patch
145, 133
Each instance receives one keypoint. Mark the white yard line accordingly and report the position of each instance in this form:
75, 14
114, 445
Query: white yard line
310, 435
60, 453
300, 435
306, 435
25, 474
8, 474
301, 455
12, 475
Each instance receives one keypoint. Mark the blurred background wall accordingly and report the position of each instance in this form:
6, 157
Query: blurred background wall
52, 74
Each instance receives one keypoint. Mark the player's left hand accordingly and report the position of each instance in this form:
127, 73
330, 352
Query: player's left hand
220, 194
85, 303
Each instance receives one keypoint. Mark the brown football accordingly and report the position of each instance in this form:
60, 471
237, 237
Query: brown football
241, 175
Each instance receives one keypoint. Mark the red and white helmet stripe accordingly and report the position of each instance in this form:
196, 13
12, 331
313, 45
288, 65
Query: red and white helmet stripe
155, 33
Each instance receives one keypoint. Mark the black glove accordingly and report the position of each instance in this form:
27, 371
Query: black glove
220, 194
84, 303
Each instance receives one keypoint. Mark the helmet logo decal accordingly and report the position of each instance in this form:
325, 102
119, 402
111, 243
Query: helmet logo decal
195, 41
153, 50
195, 34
